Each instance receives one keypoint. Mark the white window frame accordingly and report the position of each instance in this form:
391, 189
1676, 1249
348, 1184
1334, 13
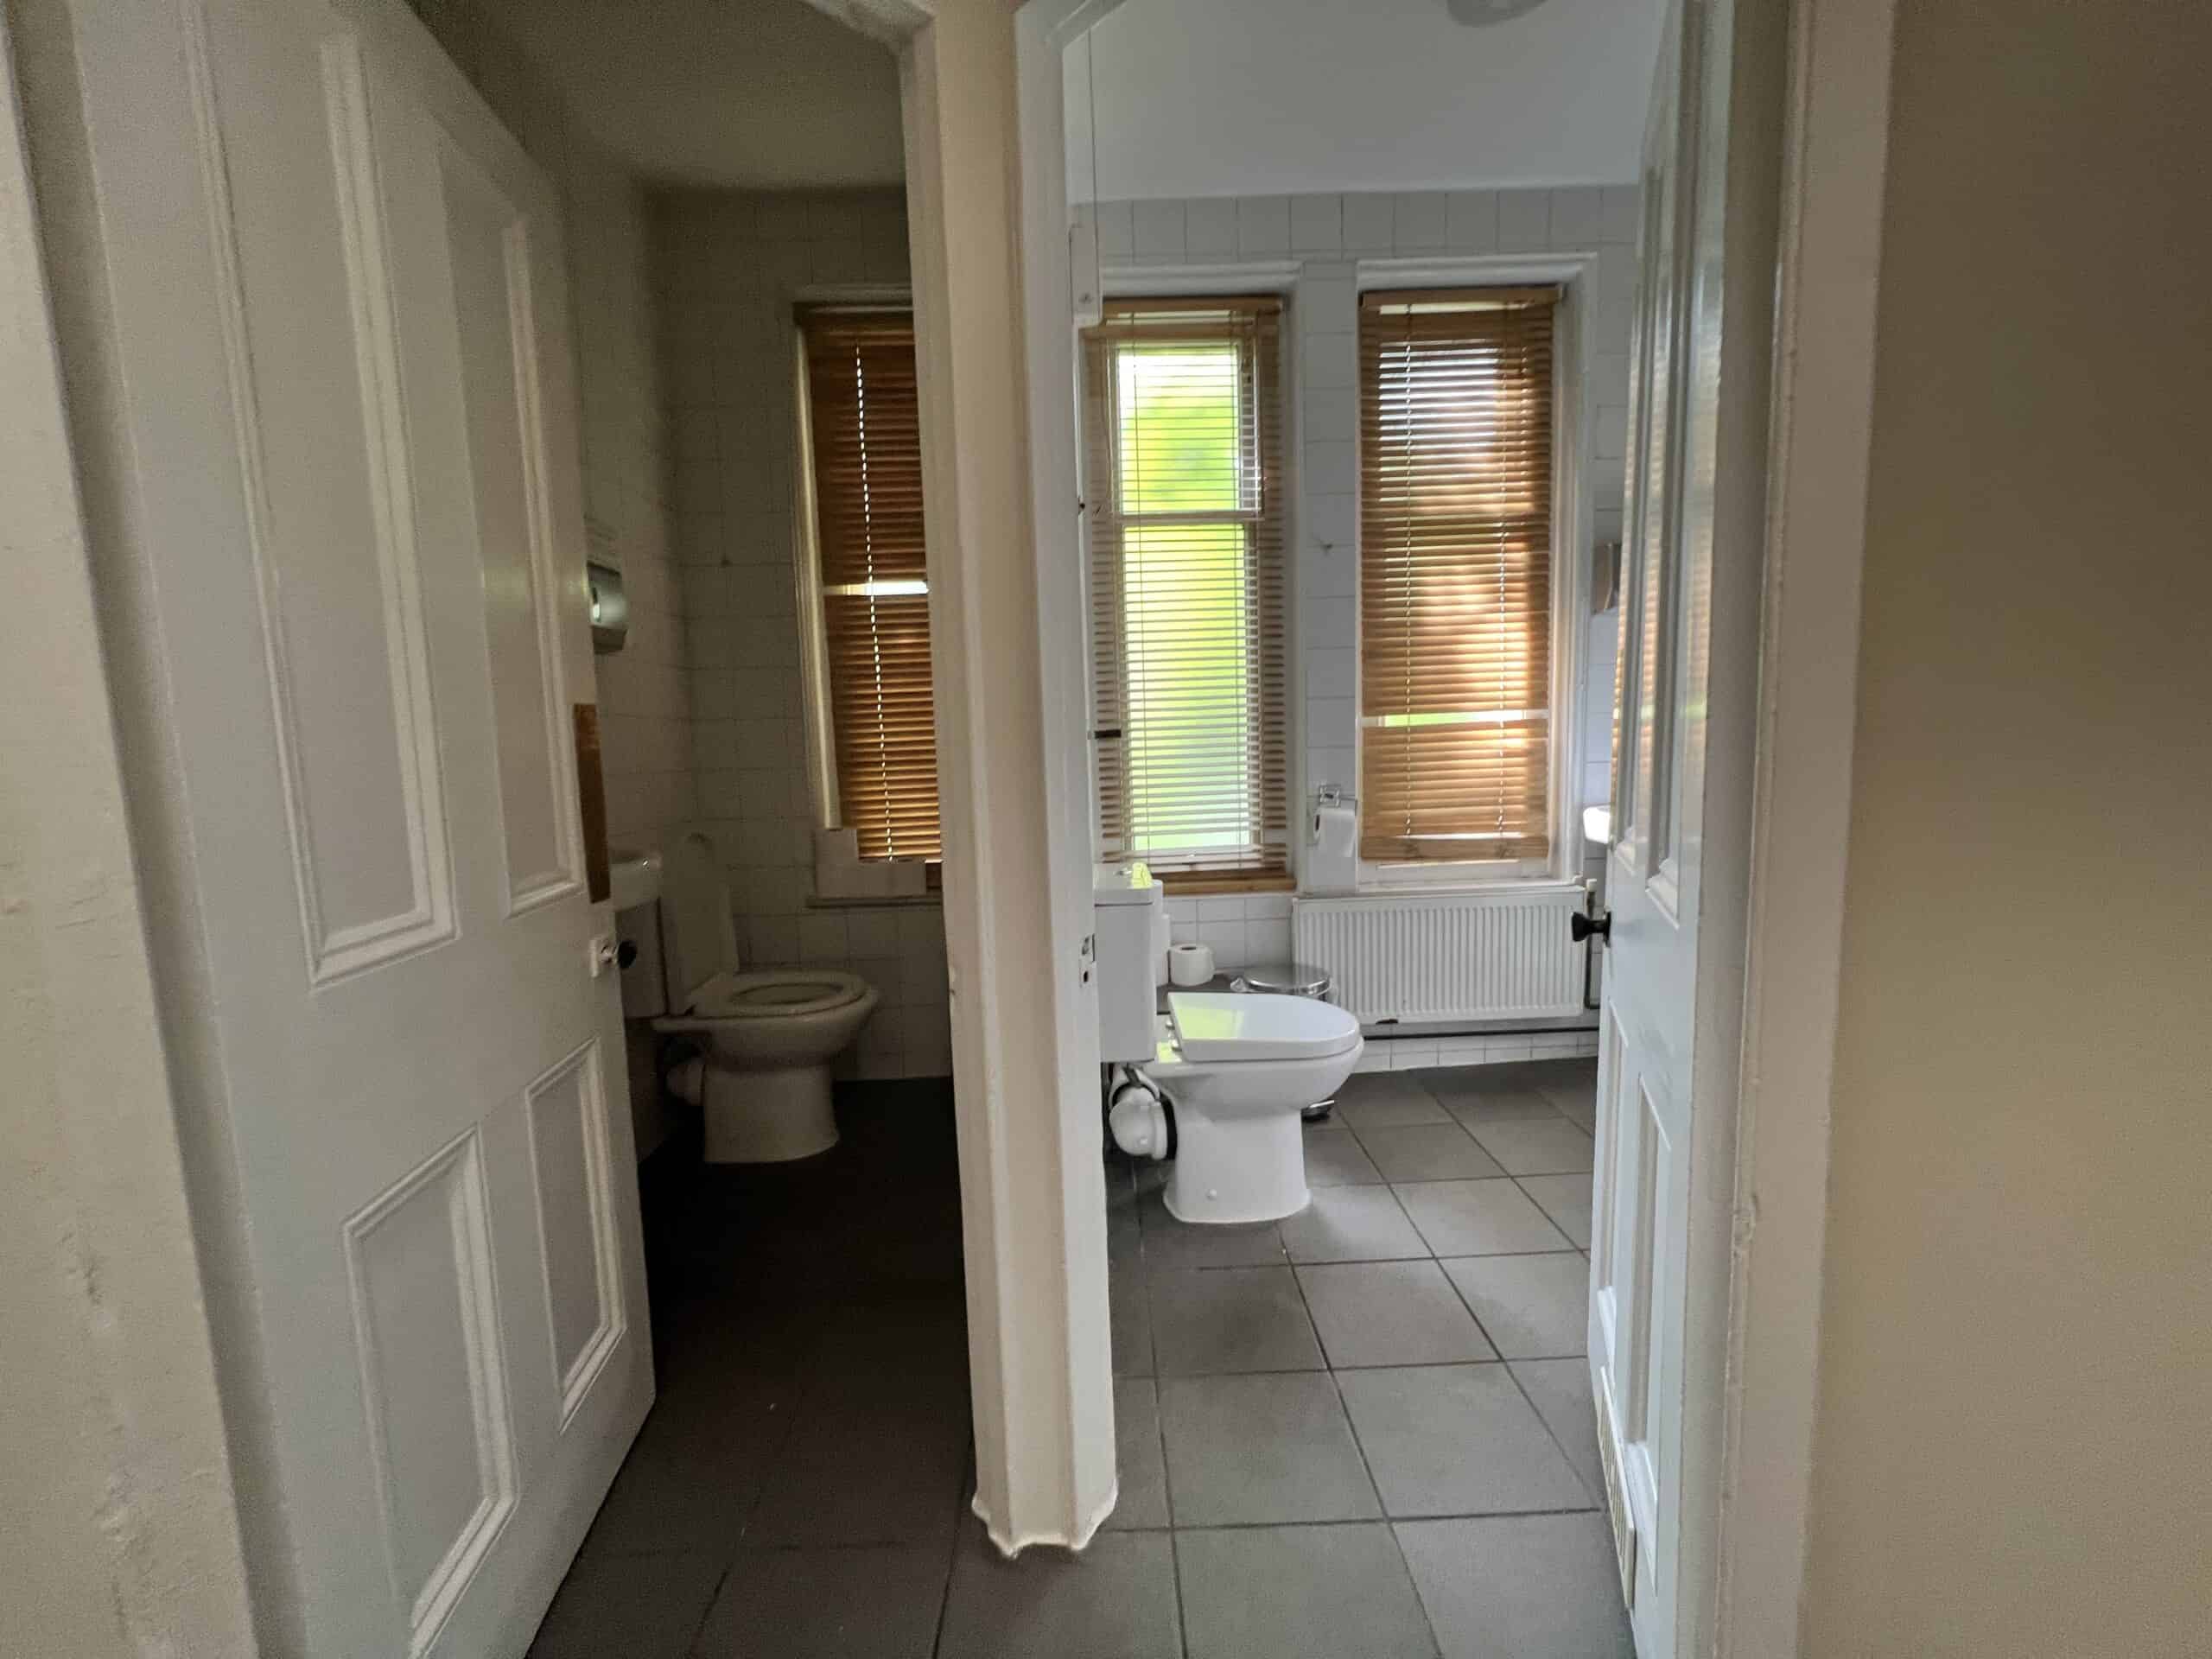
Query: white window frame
838, 870
1228, 280
1573, 355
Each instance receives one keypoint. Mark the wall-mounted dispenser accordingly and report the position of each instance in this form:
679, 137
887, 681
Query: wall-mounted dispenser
610, 608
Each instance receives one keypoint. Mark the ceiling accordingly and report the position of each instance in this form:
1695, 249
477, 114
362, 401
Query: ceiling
758, 94
1224, 97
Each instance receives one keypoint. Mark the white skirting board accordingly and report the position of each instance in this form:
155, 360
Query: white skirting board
1458, 957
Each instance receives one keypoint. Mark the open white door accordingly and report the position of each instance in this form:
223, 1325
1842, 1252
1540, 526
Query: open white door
1676, 877
320, 382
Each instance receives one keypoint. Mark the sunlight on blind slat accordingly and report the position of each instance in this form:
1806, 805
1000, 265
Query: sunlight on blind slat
1455, 394
1185, 486
865, 427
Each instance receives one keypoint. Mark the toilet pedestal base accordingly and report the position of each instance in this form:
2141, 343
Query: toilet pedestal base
767, 1117
1244, 1166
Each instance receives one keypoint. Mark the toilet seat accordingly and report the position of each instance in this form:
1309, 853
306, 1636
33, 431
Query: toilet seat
1218, 1028
775, 994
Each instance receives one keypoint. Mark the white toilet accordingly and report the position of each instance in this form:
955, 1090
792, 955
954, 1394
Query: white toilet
1236, 1070
763, 1076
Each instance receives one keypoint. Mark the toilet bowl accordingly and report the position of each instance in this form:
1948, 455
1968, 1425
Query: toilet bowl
1239, 1070
762, 1077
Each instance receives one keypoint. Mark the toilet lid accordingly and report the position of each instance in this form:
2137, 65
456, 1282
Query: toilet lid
776, 995
1224, 1026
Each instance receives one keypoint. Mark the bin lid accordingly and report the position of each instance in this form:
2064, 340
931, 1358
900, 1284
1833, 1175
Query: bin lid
1282, 979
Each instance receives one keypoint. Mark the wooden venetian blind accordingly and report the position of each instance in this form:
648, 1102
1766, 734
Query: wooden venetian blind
1184, 487
865, 433
1455, 551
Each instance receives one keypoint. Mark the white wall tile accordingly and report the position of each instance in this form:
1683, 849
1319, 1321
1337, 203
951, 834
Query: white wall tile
1117, 236
1524, 220
1471, 221
1623, 212
1160, 230
1418, 221
1263, 225
1209, 227
1316, 224
1578, 217
1368, 221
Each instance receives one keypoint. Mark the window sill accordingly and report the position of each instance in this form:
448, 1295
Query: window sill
930, 900
1195, 884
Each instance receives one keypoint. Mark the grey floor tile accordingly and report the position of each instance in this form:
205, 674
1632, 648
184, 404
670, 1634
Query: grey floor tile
1560, 1389
1531, 1307
1351, 1223
1114, 1600
1275, 1447
1335, 1158
1536, 1145
1381, 1100
1428, 1151
1524, 1587
656, 1601
1566, 1200
879, 1468
1131, 1311
1139, 1470
872, 1602
1477, 1218
1299, 1592
1172, 1246
1231, 1319
1472, 1110
1390, 1313
1580, 1112
693, 1475
1456, 1440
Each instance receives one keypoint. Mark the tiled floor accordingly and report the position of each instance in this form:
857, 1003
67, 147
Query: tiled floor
1361, 1432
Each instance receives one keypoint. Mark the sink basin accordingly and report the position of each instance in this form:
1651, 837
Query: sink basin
1597, 825
632, 876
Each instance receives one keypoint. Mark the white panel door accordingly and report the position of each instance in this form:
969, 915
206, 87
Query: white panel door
1641, 1239
329, 425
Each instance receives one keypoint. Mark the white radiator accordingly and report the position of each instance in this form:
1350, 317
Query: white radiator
1454, 957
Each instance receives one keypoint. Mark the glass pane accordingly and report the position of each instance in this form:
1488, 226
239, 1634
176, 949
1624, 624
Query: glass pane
1192, 707
1180, 426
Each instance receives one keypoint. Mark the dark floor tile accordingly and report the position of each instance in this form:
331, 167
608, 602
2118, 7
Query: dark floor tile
1428, 1151
1299, 1592
1140, 1469
1536, 1145
1381, 1100
1561, 1389
873, 1602
1525, 1587
877, 1466
1115, 1600
1351, 1223
1530, 1307
1477, 1218
1173, 1246
1390, 1314
1456, 1440
1566, 1200
1130, 1312
696, 1469
1231, 1320
1263, 1448
1335, 1158
650, 1605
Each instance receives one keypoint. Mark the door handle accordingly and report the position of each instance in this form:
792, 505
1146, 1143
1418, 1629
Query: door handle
1585, 927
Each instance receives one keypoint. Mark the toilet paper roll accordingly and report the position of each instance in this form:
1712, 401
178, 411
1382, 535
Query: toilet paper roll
1333, 853
1190, 964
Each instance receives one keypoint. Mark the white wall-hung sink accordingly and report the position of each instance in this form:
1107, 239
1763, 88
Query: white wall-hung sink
1597, 825
633, 876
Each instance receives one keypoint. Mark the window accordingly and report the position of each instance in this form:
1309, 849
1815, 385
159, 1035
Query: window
863, 434
1455, 578
1183, 419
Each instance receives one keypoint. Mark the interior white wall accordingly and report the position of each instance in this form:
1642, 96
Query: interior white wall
1229, 98
120, 1533
730, 267
1323, 237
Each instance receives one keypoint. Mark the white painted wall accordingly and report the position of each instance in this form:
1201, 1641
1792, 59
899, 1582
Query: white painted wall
728, 266
1231, 98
